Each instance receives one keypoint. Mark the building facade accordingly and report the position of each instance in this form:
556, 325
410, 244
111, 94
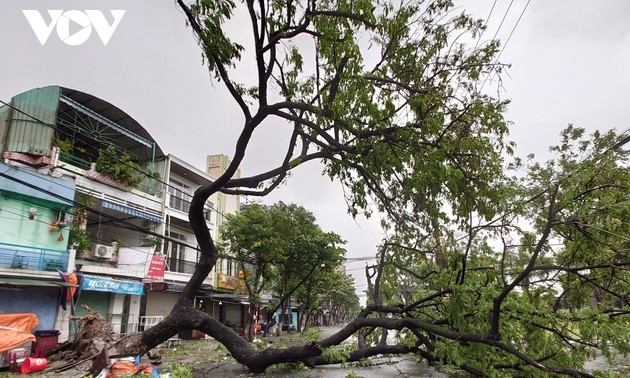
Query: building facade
86, 190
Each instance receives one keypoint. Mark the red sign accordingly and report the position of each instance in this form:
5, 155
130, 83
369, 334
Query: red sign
156, 268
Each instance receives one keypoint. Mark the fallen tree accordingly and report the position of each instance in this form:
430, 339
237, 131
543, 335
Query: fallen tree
480, 270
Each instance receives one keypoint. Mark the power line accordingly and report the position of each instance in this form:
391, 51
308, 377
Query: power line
622, 142
58, 130
513, 29
503, 19
130, 225
168, 185
496, 60
485, 24
116, 219
54, 127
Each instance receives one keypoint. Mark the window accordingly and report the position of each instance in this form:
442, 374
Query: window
207, 212
61, 217
179, 194
229, 267
176, 255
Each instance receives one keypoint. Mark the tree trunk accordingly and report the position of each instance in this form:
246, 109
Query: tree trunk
249, 323
301, 324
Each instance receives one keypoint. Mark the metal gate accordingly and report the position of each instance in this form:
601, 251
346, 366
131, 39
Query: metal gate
96, 300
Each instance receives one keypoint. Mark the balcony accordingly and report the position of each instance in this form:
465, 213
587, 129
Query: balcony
14, 256
176, 202
179, 204
148, 185
180, 266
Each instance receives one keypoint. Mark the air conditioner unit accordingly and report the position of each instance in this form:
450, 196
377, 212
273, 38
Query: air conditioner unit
102, 251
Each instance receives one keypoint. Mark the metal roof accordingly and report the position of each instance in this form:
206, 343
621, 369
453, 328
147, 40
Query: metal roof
25, 282
117, 116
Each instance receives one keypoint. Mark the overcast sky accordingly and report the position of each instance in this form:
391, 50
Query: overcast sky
569, 60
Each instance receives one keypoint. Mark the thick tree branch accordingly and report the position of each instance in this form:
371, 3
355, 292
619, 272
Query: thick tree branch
259, 36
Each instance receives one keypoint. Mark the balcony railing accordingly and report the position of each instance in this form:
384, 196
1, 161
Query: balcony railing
17, 256
180, 266
180, 204
74, 160
183, 205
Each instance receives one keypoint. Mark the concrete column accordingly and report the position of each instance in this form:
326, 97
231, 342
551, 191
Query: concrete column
116, 306
134, 313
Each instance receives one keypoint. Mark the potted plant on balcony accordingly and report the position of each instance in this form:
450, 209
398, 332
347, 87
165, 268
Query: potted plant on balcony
152, 241
117, 171
80, 239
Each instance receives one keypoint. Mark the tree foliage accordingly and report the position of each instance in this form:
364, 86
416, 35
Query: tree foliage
285, 247
540, 286
479, 266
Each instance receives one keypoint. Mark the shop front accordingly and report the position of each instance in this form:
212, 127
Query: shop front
116, 299
162, 297
28, 295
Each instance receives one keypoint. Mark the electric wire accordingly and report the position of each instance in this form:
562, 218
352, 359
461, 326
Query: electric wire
129, 225
113, 218
485, 25
496, 60
54, 127
512, 31
503, 19
134, 168
168, 185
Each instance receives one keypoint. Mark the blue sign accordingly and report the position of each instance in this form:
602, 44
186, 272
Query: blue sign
111, 285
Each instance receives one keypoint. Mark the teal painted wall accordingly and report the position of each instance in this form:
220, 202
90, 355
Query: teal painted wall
19, 229
31, 243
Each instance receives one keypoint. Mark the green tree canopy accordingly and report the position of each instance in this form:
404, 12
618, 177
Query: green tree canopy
537, 288
284, 245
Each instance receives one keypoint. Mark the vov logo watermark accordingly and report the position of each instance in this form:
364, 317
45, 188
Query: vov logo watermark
82, 21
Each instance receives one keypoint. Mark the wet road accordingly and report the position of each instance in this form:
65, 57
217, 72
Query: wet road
404, 366
400, 366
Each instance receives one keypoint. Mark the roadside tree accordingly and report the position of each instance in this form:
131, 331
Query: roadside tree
284, 246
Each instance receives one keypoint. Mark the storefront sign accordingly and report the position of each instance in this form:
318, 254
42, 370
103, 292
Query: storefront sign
174, 288
227, 282
156, 268
111, 285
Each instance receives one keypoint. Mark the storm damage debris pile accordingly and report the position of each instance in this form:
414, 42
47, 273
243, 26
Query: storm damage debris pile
93, 335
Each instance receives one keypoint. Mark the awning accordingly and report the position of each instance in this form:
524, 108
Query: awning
130, 211
24, 282
111, 285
